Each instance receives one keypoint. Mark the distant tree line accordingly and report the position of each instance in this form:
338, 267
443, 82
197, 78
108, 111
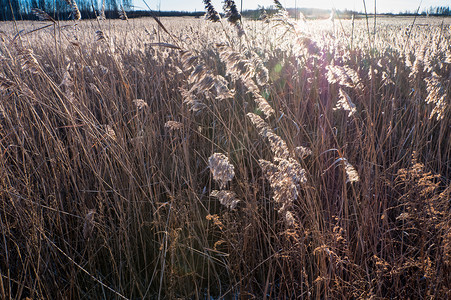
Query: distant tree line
321, 13
61, 10
438, 11
431, 11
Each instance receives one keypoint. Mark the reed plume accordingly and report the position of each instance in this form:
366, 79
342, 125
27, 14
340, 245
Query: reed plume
345, 103
302, 152
244, 69
140, 104
100, 36
231, 12
285, 177
436, 95
173, 125
27, 60
221, 169
211, 14
351, 173
278, 145
344, 76
279, 5
233, 16
226, 198
74, 7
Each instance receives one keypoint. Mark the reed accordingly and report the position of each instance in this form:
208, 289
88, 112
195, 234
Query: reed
295, 161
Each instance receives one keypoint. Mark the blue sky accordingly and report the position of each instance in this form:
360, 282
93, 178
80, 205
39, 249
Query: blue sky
382, 5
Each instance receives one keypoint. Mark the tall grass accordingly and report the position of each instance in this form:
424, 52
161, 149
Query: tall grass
285, 160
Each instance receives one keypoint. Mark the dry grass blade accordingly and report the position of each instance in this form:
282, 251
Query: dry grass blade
42, 15
159, 22
167, 45
123, 14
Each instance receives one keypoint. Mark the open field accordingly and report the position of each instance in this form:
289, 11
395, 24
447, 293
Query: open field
306, 160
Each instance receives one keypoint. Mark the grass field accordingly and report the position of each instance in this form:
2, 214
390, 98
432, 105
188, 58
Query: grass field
197, 160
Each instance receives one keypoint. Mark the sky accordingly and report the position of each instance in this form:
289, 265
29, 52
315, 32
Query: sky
383, 6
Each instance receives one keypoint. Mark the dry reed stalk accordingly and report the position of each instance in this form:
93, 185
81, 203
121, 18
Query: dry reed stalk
102, 12
122, 14
42, 15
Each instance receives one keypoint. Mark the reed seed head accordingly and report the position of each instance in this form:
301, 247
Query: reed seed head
221, 168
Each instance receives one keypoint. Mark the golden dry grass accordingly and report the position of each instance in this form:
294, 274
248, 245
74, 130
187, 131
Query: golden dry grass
338, 140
